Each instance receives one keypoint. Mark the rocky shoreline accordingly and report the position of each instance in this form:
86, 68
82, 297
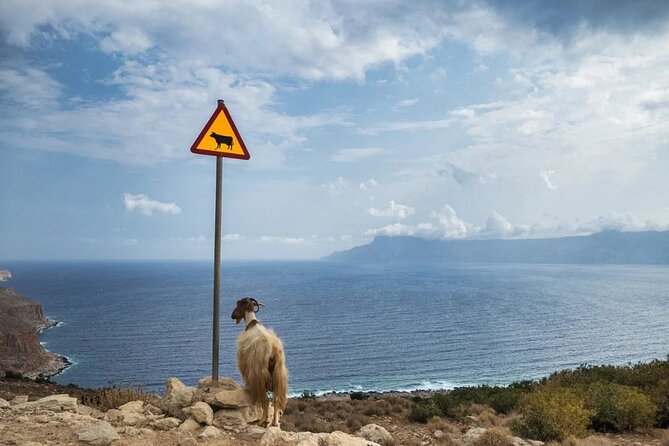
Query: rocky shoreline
21, 322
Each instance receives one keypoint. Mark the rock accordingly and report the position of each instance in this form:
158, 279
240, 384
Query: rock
132, 406
209, 432
229, 399
190, 425
153, 410
202, 412
99, 433
535, 442
177, 396
91, 412
224, 383
165, 424
134, 419
21, 399
338, 438
52, 402
229, 419
276, 437
517, 441
438, 434
472, 435
377, 434
113, 415
4, 404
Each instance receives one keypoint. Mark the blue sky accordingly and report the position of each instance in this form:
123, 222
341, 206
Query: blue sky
481, 119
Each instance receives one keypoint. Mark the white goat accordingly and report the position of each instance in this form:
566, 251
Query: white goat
261, 361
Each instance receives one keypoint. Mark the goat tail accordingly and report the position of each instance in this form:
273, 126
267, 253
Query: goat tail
280, 382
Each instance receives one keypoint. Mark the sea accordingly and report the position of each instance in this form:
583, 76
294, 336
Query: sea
349, 326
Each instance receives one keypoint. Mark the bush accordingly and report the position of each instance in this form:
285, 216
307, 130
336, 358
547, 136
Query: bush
308, 395
423, 411
358, 396
552, 414
454, 404
493, 438
619, 408
115, 396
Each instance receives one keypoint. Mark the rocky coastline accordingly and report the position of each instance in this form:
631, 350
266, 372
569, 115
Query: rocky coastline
21, 322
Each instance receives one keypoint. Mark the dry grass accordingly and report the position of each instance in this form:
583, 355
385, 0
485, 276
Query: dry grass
592, 440
343, 415
438, 423
664, 440
494, 437
115, 396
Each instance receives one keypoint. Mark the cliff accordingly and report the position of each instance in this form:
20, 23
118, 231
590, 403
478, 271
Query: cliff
21, 319
609, 247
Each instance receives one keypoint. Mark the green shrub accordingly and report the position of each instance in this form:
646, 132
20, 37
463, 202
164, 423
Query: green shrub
619, 408
15, 376
308, 395
552, 414
454, 404
423, 411
358, 396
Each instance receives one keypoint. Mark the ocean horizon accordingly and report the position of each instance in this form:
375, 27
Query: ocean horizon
349, 326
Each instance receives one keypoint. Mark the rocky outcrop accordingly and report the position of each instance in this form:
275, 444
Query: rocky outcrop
276, 437
377, 434
5, 275
21, 319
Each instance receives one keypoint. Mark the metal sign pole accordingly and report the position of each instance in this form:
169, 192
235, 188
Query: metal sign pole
217, 272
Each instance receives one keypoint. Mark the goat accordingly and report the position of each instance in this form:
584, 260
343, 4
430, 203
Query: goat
223, 139
261, 361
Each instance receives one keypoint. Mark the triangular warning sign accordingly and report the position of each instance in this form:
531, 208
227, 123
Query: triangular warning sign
220, 137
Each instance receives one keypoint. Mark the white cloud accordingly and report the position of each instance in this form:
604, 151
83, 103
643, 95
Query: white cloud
336, 187
144, 205
356, 154
368, 185
547, 176
393, 209
233, 237
407, 102
282, 240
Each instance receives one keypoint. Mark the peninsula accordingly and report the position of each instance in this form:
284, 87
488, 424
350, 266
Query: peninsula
609, 247
21, 320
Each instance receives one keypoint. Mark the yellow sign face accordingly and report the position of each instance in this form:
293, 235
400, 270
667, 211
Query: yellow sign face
220, 137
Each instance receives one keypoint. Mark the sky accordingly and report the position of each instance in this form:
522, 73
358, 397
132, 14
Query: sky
444, 120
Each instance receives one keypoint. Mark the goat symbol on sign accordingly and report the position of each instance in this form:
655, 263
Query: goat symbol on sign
222, 139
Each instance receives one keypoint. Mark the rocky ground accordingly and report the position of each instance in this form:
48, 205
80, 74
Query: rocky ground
34, 414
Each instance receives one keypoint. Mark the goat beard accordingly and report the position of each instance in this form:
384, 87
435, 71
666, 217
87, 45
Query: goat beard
237, 321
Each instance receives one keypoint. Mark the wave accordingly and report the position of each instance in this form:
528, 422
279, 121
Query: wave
423, 386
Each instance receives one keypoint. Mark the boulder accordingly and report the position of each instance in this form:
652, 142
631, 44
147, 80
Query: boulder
276, 437
177, 396
229, 419
472, 435
377, 434
99, 433
51, 402
113, 415
202, 412
165, 424
190, 425
132, 406
338, 438
153, 410
4, 404
21, 399
229, 399
134, 419
91, 412
209, 432
224, 383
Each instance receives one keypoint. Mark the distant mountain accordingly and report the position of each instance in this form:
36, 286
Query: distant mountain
605, 247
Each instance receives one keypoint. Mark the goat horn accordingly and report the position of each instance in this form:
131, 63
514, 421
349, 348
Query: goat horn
256, 304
